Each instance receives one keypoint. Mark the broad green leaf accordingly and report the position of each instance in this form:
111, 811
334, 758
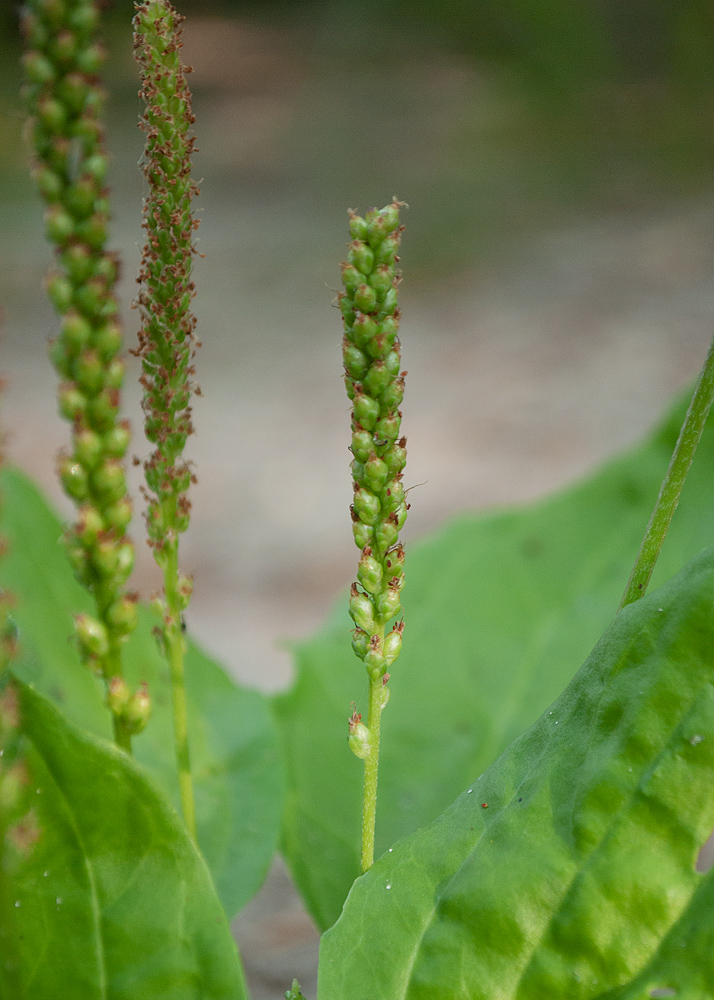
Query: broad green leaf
499, 609
113, 901
236, 769
568, 869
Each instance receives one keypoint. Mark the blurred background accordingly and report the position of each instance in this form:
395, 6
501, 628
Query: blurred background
559, 281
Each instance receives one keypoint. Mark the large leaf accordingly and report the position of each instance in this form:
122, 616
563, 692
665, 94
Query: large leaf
499, 609
236, 769
568, 869
113, 902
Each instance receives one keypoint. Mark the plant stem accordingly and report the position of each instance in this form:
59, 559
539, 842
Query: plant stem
672, 484
371, 769
174, 643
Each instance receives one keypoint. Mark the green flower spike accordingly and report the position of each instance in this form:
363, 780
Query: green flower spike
371, 355
65, 100
166, 339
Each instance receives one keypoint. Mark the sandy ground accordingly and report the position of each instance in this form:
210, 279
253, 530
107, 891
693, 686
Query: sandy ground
523, 374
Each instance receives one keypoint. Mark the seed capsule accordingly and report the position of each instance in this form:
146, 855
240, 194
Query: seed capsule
375, 472
369, 571
74, 479
361, 610
365, 298
361, 257
376, 379
358, 227
359, 740
392, 646
366, 410
91, 636
360, 642
367, 506
138, 710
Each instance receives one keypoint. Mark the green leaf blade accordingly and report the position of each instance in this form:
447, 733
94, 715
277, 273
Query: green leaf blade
237, 771
569, 868
114, 900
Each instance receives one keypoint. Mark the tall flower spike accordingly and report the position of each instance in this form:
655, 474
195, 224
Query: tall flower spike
65, 100
371, 355
166, 338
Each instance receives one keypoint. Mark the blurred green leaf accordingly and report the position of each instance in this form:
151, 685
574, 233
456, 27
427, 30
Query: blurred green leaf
500, 609
113, 900
237, 774
568, 868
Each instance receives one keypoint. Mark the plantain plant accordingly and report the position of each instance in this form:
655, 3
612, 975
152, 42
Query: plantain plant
540, 829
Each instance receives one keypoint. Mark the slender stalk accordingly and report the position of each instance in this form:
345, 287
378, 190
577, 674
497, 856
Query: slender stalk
372, 358
371, 770
664, 508
166, 339
174, 645
65, 99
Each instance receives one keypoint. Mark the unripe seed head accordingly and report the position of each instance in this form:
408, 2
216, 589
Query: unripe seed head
108, 340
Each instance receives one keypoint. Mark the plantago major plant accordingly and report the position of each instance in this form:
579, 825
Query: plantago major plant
541, 829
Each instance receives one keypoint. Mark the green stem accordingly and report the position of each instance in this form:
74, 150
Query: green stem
672, 484
174, 642
371, 769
